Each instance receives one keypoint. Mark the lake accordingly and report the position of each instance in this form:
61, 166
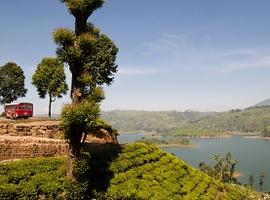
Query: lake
253, 155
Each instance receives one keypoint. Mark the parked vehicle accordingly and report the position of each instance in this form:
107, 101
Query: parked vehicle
19, 110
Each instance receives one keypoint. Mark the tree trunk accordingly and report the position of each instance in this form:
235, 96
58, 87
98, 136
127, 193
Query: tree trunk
70, 161
221, 171
50, 106
76, 97
80, 24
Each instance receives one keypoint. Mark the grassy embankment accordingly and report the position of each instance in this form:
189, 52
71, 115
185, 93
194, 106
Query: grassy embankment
134, 171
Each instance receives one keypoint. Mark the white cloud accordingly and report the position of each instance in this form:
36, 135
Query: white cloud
243, 59
165, 42
183, 52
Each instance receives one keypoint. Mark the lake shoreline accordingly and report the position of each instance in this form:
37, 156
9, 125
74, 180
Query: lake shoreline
184, 137
254, 135
177, 145
257, 137
250, 153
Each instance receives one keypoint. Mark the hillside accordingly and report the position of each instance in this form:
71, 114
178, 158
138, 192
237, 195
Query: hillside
191, 123
263, 103
134, 171
131, 120
248, 120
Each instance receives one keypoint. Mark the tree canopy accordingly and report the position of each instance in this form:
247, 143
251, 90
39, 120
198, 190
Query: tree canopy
223, 170
49, 79
11, 83
81, 10
91, 57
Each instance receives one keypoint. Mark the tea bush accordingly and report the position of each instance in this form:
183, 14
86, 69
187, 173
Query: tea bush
134, 171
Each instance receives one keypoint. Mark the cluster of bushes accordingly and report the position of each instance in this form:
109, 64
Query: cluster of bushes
190, 131
165, 141
134, 171
39, 178
143, 171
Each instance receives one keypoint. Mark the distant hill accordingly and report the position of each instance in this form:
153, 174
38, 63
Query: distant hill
132, 120
263, 103
254, 119
191, 123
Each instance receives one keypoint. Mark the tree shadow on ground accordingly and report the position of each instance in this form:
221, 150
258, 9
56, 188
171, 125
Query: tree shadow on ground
101, 157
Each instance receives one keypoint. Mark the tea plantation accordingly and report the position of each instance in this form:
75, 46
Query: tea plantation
133, 171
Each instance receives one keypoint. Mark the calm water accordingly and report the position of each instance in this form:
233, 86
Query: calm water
253, 155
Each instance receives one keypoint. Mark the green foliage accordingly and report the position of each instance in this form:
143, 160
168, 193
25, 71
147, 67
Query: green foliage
163, 141
82, 116
223, 168
101, 124
133, 171
93, 51
33, 179
49, 78
266, 132
91, 57
143, 171
64, 37
81, 168
11, 83
190, 131
83, 6
78, 188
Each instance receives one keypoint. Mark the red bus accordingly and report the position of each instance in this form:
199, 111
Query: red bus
19, 110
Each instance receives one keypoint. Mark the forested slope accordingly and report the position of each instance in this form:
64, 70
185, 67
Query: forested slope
248, 120
191, 123
131, 120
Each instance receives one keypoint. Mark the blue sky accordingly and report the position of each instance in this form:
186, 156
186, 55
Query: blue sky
173, 55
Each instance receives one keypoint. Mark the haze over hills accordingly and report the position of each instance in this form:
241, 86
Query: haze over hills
263, 103
252, 120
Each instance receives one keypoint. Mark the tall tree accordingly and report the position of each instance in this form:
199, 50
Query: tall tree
49, 79
11, 83
91, 57
261, 180
223, 169
251, 181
